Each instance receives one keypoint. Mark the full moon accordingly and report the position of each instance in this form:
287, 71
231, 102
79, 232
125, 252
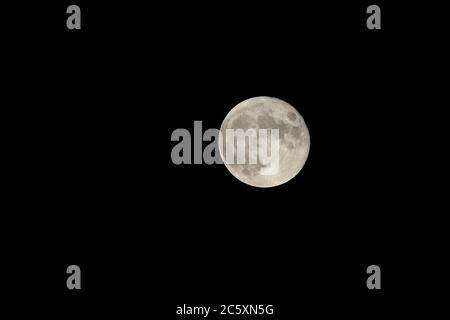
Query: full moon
293, 140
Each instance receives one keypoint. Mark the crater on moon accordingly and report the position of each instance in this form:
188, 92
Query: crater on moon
268, 113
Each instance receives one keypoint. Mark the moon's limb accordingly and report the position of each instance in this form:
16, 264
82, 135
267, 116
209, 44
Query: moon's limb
268, 113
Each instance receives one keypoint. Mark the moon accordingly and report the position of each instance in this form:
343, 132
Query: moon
293, 140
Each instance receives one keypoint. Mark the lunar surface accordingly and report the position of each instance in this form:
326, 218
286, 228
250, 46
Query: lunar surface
293, 140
